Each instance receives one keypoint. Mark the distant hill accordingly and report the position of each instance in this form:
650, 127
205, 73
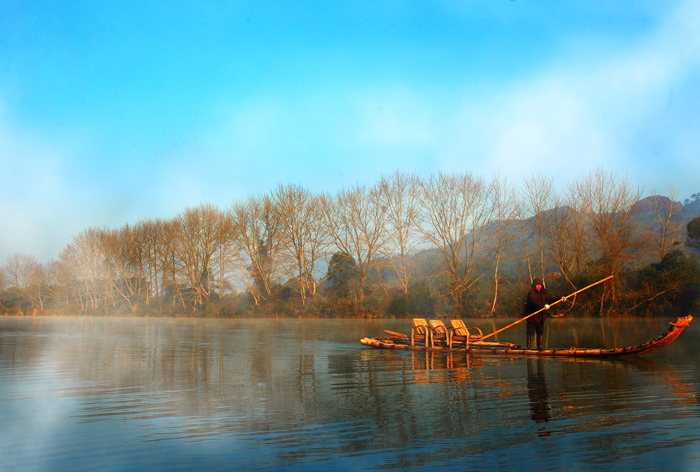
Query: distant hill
645, 206
692, 206
428, 262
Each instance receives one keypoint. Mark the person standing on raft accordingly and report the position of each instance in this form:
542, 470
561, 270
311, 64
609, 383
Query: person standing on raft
537, 299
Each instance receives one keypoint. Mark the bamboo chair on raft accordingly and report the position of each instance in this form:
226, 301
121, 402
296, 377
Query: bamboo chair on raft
439, 333
420, 333
460, 335
435, 333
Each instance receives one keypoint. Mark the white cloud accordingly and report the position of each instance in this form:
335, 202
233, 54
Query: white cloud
38, 212
396, 118
567, 121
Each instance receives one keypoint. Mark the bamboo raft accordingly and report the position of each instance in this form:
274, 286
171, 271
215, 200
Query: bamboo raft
436, 340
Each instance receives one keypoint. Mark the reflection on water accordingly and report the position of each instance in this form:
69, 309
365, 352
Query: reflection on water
442, 367
120, 394
537, 390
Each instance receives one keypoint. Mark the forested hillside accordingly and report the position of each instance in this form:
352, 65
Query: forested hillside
448, 245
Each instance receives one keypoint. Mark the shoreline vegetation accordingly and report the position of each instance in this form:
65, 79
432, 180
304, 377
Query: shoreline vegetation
450, 245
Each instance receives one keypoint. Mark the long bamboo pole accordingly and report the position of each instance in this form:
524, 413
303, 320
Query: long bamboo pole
542, 309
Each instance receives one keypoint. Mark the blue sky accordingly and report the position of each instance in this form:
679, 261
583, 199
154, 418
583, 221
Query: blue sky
116, 112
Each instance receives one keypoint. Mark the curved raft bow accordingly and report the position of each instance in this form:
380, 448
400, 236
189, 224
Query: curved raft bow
401, 341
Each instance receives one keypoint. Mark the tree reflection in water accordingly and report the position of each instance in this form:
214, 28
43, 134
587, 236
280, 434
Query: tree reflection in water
182, 394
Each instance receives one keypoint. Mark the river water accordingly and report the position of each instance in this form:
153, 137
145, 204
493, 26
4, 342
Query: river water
191, 394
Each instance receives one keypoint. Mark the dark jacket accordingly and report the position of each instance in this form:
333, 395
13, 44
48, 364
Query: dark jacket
536, 300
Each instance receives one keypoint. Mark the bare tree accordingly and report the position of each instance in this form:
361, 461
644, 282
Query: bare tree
504, 211
200, 232
608, 207
566, 238
155, 259
454, 213
157, 238
398, 194
538, 195
225, 258
83, 267
668, 231
26, 277
526, 234
124, 258
55, 290
3, 285
173, 281
355, 219
16, 269
299, 215
256, 237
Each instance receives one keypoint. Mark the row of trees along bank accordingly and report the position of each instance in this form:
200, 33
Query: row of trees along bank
447, 245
